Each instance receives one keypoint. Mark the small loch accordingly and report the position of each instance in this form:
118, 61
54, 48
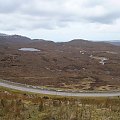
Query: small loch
29, 49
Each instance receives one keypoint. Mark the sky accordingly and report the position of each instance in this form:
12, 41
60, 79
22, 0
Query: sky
61, 20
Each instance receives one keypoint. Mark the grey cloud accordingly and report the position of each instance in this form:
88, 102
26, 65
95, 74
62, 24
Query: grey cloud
46, 14
27, 23
92, 3
8, 6
106, 19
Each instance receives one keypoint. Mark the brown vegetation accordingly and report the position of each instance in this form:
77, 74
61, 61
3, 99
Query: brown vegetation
60, 65
25, 106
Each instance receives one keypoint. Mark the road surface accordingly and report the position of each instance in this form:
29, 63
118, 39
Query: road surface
33, 89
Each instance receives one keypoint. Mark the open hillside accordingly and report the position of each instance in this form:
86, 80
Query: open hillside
74, 65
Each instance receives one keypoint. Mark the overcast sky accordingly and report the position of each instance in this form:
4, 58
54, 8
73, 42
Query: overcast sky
61, 20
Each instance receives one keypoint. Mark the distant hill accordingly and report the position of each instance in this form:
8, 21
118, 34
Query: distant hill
1, 34
115, 42
14, 39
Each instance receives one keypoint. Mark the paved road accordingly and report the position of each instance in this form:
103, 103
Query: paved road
27, 88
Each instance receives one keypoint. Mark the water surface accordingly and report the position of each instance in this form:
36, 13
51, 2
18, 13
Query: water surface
29, 49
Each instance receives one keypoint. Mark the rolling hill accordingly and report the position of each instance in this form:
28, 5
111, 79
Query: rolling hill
74, 65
